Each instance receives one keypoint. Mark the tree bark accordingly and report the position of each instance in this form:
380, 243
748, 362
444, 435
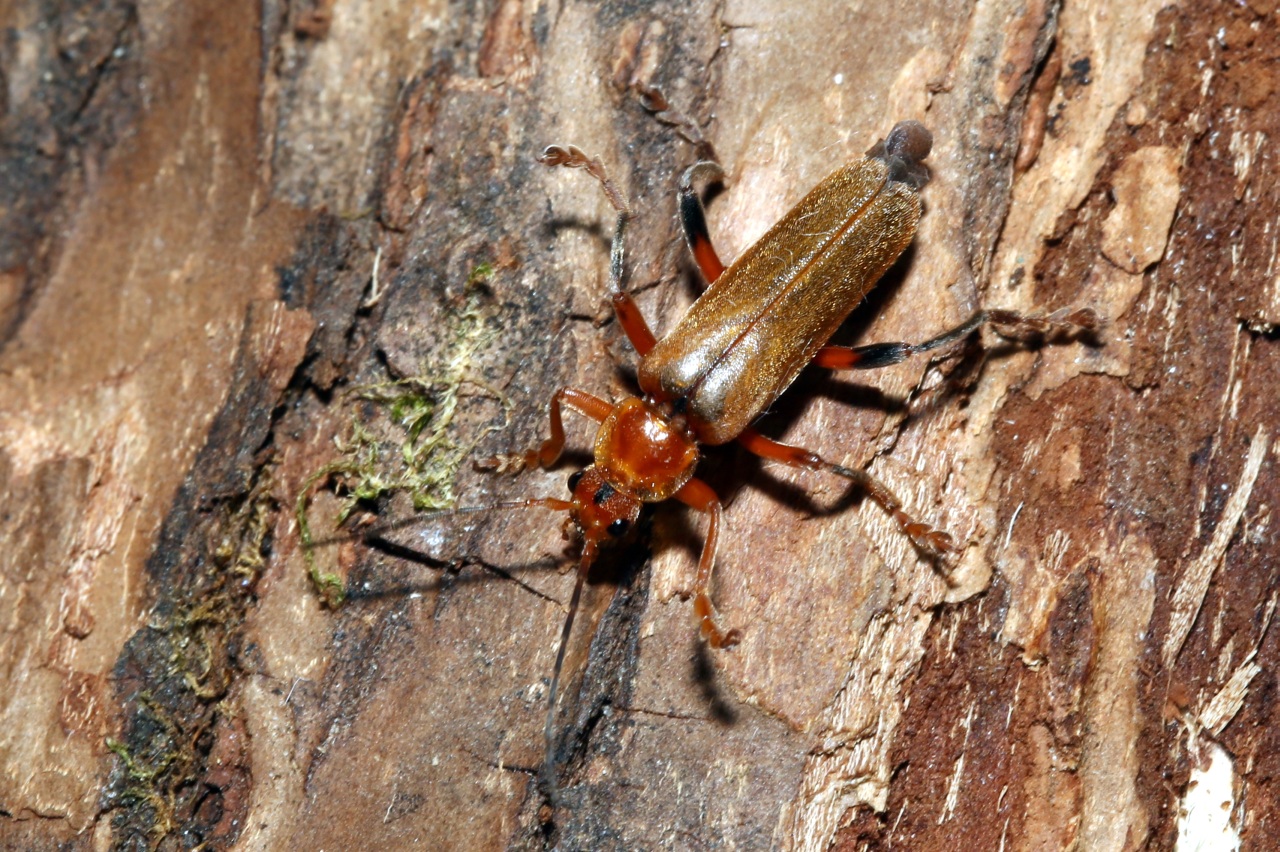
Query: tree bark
253, 253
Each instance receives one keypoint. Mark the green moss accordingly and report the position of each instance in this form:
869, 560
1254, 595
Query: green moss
182, 659
401, 438
148, 770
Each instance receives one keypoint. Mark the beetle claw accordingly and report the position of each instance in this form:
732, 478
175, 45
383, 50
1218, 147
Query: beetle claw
504, 463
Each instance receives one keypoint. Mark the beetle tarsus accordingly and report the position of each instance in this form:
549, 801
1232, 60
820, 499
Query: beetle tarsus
652, 99
507, 463
573, 157
1016, 326
932, 541
629, 316
715, 637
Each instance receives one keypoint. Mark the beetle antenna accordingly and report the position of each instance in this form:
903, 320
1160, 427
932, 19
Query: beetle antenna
549, 762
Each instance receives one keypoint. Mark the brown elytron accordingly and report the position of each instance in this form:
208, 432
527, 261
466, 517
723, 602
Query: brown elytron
763, 320
759, 323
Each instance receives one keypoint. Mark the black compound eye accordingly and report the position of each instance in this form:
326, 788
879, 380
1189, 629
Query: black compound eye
619, 528
574, 479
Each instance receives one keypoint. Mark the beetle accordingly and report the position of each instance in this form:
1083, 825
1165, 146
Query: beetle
761, 320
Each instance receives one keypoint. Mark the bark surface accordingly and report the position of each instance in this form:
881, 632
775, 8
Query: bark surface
253, 253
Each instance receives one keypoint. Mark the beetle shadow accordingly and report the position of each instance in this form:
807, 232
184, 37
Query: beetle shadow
596, 230
738, 469
707, 677
371, 579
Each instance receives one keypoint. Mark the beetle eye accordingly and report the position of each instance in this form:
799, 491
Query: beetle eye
619, 528
574, 479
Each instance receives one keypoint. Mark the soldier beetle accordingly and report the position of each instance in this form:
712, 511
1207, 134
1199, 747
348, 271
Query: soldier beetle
760, 321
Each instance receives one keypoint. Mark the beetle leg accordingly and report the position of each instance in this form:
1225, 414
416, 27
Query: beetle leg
652, 99
931, 540
1016, 326
698, 495
1009, 324
546, 454
629, 316
693, 218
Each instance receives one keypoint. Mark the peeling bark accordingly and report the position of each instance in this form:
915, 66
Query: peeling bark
226, 239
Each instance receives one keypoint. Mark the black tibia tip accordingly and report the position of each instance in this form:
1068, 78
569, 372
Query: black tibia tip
881, 355
904, 150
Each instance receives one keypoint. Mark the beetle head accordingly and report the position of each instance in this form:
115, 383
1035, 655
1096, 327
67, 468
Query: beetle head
598, 509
